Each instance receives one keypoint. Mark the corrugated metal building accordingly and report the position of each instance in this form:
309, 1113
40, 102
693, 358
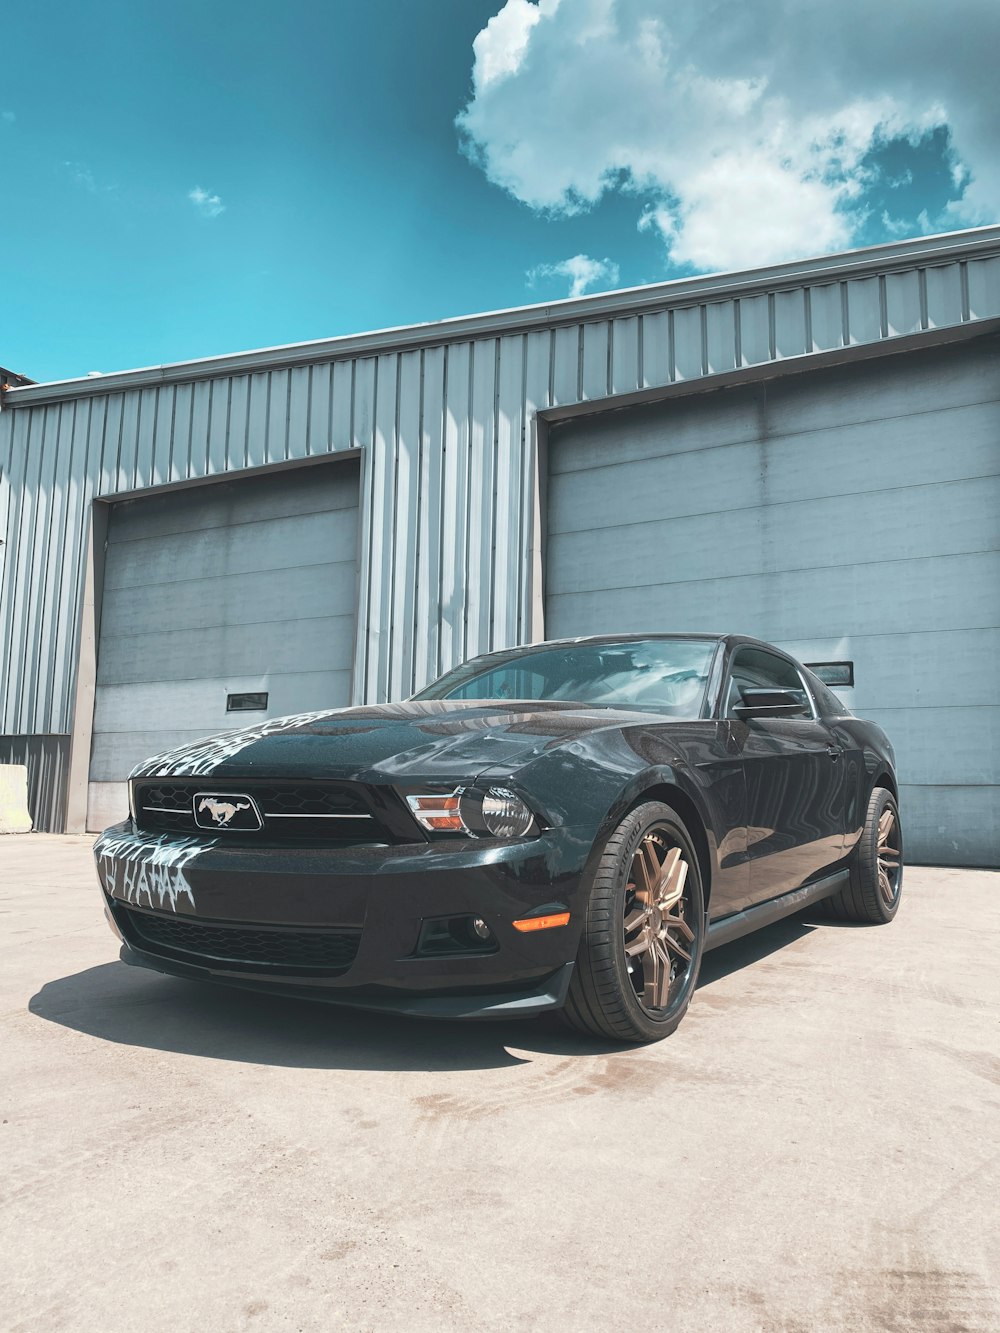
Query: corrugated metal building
809, 453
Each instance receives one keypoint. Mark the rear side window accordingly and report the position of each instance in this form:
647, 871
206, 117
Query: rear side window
757, 669
827, 703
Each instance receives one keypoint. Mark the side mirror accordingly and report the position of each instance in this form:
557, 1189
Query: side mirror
770, 703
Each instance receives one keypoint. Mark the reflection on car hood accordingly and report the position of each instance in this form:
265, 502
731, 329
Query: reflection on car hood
392, 741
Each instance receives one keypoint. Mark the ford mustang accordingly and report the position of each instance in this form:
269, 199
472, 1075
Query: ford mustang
568, 825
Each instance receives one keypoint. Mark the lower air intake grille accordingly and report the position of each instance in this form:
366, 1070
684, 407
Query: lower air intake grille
313, 952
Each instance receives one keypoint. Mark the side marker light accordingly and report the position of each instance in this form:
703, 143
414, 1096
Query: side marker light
542, 922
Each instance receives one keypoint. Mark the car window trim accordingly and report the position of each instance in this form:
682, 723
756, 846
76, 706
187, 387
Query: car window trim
814, 714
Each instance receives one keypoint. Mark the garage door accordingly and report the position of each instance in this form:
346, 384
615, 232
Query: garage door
236, 588
851, 514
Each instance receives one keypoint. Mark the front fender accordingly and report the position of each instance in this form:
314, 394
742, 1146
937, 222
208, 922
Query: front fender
591, 784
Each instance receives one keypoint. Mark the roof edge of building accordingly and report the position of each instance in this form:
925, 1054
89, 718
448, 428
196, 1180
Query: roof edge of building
941, 248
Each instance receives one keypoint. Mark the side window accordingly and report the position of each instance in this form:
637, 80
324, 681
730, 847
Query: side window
756, 669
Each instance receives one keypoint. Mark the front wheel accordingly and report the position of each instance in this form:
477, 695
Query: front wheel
872, 896
644, 931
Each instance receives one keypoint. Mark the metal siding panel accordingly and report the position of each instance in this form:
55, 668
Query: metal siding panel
481, 485
427, 575
596, 346
58, 599
239, 416
218, 427
46, 758
405, 524
363, 437
339, 430
902, 299
864, 311
984, 288
688, 358
625, 377
180, 437
720, 336
21, 497
299, 405
31, 651
826, 317
755, 330
507, 549
655, 349
566, 365
383, 472
536, 379
790, 324
318, 439
257, 420
277, 416
128, 443
111, 443
201, 408
145, 437
455, 505
944, 295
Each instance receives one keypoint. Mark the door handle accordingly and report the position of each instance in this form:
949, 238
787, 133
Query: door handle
834, 751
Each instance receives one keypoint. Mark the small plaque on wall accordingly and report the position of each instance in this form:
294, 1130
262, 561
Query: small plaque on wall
833, 673
246, 703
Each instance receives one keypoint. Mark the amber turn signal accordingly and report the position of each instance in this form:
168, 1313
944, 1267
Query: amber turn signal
542, 922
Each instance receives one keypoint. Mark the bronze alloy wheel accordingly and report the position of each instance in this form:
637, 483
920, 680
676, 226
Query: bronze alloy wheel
658, 938
888, 856
643, 931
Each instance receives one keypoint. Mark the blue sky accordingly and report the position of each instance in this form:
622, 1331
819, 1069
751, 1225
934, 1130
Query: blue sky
193, 179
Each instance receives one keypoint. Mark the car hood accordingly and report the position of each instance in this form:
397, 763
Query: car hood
431, 739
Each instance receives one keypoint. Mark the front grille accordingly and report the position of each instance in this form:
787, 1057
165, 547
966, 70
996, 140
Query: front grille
309, 812
306, 952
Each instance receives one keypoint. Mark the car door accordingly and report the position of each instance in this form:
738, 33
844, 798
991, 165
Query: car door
794, 769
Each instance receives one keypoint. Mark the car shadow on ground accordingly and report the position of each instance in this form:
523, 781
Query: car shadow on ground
134, 1007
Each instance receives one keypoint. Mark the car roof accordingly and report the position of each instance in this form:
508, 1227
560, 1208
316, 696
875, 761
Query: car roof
634, 638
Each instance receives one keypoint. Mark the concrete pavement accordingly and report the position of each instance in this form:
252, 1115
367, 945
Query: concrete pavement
815, 1149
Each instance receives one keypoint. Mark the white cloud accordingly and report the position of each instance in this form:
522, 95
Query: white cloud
582, 271
8, 117
208, 205
748, 125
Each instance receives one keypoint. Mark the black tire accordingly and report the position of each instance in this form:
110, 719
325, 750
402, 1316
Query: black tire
867, 898
605, 996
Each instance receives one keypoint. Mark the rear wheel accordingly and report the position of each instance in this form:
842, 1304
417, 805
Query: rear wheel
644, 931
872, 896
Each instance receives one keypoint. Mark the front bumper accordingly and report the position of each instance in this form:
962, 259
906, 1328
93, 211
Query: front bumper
379, 896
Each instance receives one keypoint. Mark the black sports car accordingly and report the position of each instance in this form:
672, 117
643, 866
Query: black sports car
567, 825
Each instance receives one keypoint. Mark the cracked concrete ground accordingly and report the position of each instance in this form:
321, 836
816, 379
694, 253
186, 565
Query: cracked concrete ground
815, 1149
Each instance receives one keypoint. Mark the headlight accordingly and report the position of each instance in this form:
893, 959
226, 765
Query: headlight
494, 813
505, 814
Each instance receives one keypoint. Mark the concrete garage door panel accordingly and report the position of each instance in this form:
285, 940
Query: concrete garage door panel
852, 513
239, 586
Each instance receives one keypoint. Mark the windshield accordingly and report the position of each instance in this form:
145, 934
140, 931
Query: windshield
661, 675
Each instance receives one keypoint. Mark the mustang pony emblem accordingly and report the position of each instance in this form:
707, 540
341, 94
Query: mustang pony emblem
223, 809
